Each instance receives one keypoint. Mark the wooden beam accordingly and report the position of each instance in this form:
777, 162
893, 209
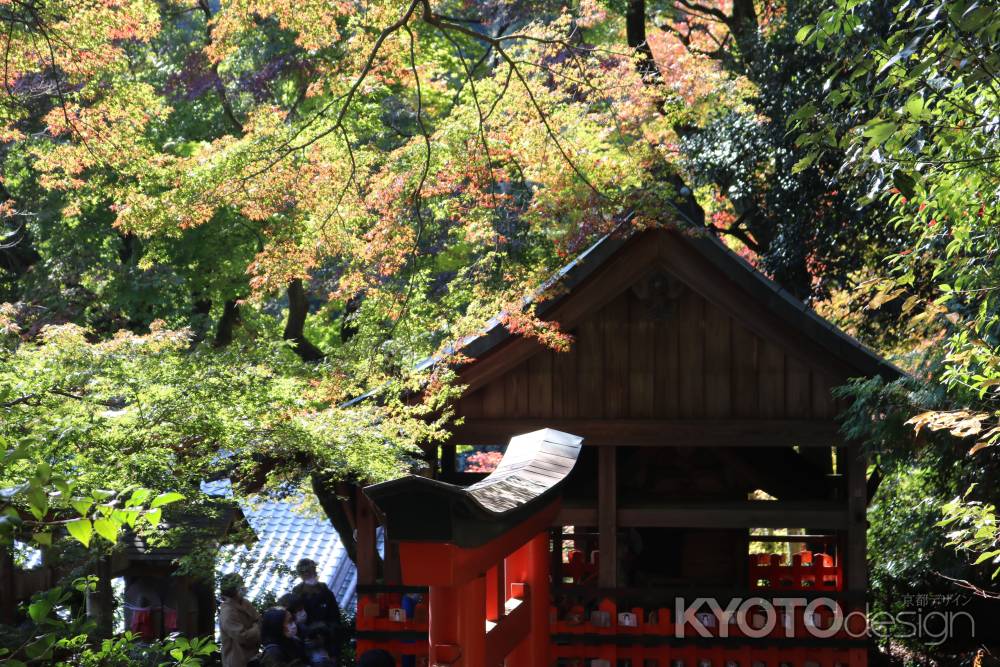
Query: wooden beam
607, 516
792, 538
504, 636
752, 514
659, 433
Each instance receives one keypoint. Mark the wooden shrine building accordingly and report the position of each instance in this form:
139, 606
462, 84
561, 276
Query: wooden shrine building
685, 441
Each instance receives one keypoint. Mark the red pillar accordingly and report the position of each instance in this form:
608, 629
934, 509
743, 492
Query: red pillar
442, 624
530, 565
472, 622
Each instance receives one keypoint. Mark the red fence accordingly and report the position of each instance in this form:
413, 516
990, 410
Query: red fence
393, 621
808, 571
606, 636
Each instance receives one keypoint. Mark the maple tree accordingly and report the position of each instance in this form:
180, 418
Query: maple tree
297, 203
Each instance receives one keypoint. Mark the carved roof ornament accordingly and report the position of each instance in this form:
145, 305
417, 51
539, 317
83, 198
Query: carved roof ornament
659, 293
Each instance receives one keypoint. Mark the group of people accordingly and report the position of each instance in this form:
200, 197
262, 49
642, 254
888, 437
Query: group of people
304, 630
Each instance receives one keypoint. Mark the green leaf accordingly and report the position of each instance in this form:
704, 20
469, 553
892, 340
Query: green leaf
803, 32
44, 538
975, 16
107, 529
879, 132
81, 505
38, 501
164, 499
915, 106
805, 162
81, 530
153, 517
39, 609
139, 496
986, 556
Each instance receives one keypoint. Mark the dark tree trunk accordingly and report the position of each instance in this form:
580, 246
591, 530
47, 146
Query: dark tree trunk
336, 499
347, 323
685, 205
200, 311
743, 25
635, 31
298, 309
128, 252
230, 318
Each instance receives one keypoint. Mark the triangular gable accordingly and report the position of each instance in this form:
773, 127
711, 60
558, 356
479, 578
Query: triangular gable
728, 317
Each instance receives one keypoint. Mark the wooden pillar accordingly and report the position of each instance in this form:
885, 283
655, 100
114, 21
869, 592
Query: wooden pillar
517, 566
448, 462
100, 602
8, 604
607, 517
367, 553
857, 521
556, 555
392, 572
856, 565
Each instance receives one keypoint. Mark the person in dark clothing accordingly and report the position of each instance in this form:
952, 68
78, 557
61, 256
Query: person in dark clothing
279, 645
376, 658
296, 607
320, 604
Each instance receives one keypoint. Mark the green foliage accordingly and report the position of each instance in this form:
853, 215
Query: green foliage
918, 112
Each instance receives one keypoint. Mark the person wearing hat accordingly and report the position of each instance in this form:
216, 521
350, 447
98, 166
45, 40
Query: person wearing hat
320, 604
239, 623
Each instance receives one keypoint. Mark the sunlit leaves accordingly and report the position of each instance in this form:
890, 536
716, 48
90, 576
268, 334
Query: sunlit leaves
930, 148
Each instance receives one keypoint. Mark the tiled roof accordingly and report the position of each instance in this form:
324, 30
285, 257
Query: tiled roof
284, 535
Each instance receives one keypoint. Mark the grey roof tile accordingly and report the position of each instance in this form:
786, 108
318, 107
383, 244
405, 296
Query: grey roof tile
285, 535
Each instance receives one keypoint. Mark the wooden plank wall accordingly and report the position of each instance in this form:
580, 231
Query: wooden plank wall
696, 363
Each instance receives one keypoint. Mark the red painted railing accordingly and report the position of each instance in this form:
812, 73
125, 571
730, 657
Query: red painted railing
808, 571
384, 621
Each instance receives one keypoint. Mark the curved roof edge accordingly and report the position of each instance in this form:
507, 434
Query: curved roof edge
529, 477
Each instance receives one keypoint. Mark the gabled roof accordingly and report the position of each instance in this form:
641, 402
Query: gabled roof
775, 299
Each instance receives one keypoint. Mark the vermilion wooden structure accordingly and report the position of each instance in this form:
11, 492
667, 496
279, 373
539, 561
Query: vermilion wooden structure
698, 387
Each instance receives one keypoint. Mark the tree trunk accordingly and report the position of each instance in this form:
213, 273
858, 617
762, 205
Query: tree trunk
685, 205
200, 311
635, 31
100, 603
298, 309
230, 318
339, 508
